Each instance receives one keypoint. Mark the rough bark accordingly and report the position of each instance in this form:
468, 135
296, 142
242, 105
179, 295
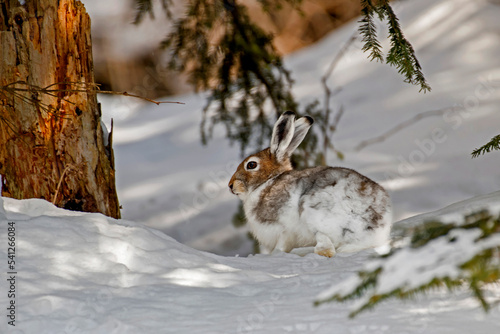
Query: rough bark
52, 147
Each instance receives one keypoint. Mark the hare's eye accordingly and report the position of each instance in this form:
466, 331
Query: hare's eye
251, 165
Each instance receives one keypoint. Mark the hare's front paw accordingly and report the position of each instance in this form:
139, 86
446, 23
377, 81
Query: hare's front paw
324, 245
283, 245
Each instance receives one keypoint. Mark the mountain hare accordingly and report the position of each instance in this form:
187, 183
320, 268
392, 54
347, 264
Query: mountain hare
331, 208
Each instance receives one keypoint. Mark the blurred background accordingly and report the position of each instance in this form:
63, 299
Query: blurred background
416, 145
128, 57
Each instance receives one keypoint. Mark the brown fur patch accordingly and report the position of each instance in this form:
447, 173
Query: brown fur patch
273, 197
325, 252
372, 217
268, 168
366, 188
301, 206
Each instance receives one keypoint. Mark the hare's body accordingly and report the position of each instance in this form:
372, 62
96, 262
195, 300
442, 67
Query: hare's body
331, 208
290, 210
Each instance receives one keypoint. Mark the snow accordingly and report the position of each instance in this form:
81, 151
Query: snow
168, 180
452, 213
87, 273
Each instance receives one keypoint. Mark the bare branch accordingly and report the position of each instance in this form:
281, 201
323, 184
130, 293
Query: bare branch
136, 96
401, 126
89, 88
339, 56
331, 68
326, 128
60, 182
337, 118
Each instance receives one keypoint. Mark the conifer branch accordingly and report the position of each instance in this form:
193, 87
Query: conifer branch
368, 31
401, 53
493, 144
145, 7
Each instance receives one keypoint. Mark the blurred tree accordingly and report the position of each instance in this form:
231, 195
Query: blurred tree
52, 143
232, 58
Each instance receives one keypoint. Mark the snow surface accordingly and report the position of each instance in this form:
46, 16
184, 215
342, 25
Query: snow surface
87, 273
169, 181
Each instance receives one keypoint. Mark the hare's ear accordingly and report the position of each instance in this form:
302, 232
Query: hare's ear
302, 126
282, 135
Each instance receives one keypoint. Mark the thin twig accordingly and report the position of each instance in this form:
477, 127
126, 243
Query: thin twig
8, 123
136, 96
328, 96
91, 84
340, 54
331, 68
336, 121
401, 126
60, 182
46, 90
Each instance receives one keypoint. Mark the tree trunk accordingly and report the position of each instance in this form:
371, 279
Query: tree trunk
52, 143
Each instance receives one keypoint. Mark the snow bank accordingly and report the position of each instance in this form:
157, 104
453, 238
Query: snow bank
86, 273
451, 213
2, 210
